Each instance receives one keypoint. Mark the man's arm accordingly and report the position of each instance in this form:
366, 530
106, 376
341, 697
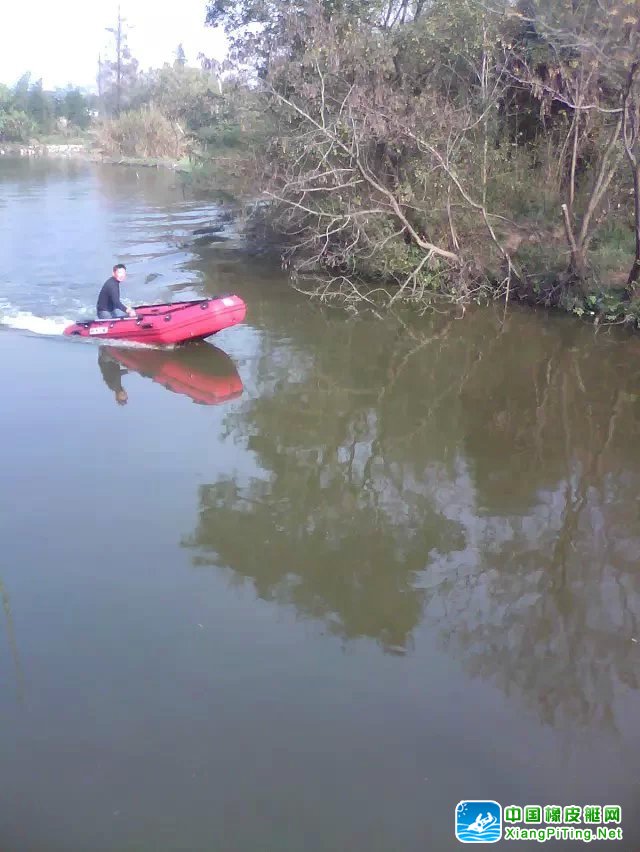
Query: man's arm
115, 296
117, 302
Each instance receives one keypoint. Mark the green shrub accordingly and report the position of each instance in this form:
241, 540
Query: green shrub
15, 126
612, 252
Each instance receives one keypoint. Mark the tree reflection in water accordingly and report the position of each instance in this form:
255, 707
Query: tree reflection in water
481, 476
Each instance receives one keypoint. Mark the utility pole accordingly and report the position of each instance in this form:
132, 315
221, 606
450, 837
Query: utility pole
119, 38
119, 61
100, 101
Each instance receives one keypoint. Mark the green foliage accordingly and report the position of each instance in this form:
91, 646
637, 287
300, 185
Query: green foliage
542, 264
616, 234
21, 93
29, 111
75, 108
15, 126
188, 95
219, 136
404, 132
41, 108
522, 182
605, 306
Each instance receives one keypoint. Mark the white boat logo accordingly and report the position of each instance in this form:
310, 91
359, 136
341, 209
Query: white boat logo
482, 823
478, 821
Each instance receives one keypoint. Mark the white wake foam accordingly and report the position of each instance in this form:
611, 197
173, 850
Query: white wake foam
53, 326
26, 321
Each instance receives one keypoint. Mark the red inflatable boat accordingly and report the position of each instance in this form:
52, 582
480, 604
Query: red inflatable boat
204, 373
167, 324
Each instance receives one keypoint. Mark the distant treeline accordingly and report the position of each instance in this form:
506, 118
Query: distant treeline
27, 110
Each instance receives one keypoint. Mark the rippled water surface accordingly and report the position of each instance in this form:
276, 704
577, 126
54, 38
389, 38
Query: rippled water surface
309, 585
64, 223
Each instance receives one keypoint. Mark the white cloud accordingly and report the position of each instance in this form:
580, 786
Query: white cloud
61, 42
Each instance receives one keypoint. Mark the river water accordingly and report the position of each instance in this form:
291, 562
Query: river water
384, 568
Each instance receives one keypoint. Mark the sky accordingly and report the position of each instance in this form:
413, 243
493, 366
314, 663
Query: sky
60, 42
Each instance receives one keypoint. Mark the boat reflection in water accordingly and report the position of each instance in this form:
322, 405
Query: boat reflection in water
200, 371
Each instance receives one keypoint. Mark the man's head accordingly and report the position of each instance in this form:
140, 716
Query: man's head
121, 397
120, 271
